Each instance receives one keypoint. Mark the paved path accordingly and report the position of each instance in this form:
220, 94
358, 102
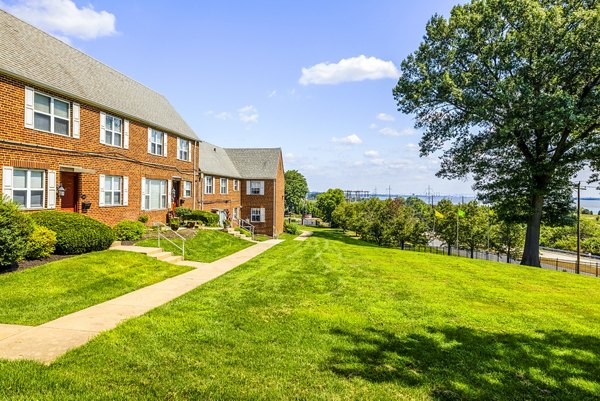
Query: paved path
50, 340
303, 236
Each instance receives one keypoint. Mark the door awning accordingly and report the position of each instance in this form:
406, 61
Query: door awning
75, 169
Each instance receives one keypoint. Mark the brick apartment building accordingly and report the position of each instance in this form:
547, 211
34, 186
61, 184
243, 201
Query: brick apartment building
77, 135
243, 183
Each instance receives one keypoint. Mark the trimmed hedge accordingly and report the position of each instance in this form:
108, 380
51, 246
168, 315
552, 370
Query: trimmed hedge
291, 228
183, 212
129, 230
75, 233
15, 229
41, 243
208, 218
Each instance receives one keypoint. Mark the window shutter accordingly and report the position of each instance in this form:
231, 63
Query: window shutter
165, 142
125, 191
102, 127
178, 148
247, 187
262, 187
28, 107
149, 139
7, 181
51, 189
76, 119
169, 198
262, 214
190, 148
126, 134
143, 191
101, 196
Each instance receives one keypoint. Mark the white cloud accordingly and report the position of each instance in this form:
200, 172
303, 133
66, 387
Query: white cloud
372, 153
373, 126
273, 93
63, 19
248, 114
387, 131
377, 162
224, 115
348, 70
385, 117
348, 140
411, 146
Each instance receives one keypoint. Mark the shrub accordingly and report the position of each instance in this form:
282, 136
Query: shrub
291, 228
143, 218
174, 224
183, 212
41, 243
75, 233
15, 229
129, 230
208, 218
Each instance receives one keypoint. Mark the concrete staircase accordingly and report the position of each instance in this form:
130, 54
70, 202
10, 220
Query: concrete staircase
237, 234
157, 253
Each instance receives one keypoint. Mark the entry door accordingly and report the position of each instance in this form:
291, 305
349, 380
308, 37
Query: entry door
69, 182
177, 188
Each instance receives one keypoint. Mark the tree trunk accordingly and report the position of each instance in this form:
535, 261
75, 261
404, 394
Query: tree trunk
472, 252
531, 252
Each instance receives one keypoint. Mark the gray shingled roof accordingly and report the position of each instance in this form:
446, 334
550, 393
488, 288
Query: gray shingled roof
255, 163
34, 56
215, 161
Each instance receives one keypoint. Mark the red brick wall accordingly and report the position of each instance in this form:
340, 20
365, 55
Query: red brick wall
280, 197
220, 201
87, 152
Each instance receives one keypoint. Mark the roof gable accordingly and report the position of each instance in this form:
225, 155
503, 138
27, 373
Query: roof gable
256, 163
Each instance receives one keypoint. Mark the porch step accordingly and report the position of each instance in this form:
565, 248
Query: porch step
172, 259
157, 253
162, 255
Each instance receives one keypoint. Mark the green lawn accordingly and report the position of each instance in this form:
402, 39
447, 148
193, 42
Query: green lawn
207, 246
334, 318
46, 292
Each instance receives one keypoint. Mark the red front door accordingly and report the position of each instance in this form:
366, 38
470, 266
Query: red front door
69, 182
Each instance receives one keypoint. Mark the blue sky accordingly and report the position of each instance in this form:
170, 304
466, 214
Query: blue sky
313, 77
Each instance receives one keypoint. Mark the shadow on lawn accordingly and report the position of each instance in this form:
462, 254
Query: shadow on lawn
337, 235
462, 363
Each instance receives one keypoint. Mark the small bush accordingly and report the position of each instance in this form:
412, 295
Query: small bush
183, 212
75, 233
129, 230
209, 219
174, 224
143, 218
41, 243
15, 229
291, 228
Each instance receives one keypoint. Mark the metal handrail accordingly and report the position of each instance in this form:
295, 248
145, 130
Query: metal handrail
245, 224
158, 226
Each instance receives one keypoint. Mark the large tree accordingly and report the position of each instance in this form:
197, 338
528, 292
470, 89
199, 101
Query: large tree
508, 91
328, 201
296, 189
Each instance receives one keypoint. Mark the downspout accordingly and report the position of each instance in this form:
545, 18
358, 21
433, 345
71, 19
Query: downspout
275, 208
194, 185
201, 190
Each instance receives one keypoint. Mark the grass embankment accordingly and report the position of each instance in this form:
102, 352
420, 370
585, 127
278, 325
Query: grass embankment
46, 292
336, 318
206, 246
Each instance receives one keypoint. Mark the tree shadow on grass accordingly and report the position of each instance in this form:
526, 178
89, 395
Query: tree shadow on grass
463, 363
337, 235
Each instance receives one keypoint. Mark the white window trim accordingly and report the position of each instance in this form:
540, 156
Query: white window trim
180, 142
147, 195
122, 146
51, 114
261, 187
212, 185
161, 144
27, 205
185, 190
221, 186
261, 215
236, 185
121, 191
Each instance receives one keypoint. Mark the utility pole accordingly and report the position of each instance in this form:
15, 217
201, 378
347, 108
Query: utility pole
389, 192
578, 227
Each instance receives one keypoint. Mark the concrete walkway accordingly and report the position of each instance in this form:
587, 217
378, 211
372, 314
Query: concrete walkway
303, 236
50, 340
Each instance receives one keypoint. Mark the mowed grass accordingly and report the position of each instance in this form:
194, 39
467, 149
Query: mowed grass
46, 292
333, 318
206, 246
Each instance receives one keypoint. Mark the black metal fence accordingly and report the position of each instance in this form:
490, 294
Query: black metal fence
586, 267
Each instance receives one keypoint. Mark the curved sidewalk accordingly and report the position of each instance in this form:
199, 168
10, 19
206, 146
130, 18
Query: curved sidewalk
50, 340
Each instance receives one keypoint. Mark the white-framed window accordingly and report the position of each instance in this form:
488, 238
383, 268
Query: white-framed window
156, 144
183, 149
113, 131
256, 187
113, 190
236, 185
236, 213
208, 185
223, 186
257, 215
155, 194
50, 114
187, 189
28, 188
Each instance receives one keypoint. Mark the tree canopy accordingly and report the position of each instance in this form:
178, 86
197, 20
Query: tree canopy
328, 201
508, 92
296, 189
